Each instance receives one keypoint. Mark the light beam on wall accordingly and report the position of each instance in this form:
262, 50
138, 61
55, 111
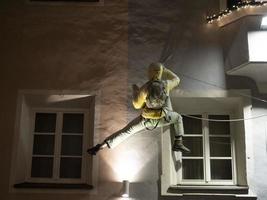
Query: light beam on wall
61, 98
129, 160
127, 164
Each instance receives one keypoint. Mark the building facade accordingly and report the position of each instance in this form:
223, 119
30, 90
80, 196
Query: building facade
66, 74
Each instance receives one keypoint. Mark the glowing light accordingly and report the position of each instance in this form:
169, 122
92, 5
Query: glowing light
60, 98
257, 45
241, 5
125, 195
264, 22
127, 165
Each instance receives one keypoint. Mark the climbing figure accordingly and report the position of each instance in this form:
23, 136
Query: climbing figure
154, 100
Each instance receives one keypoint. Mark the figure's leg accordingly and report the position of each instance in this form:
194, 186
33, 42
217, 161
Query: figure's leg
116, 138
133, 127
177, 120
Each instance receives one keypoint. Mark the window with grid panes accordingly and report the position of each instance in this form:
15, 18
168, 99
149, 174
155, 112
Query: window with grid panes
211, 160
57, 152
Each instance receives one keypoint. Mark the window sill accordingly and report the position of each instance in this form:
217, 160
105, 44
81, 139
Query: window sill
207, 190
31, 185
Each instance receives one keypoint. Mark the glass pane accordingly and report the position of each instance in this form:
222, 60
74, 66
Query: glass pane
71, 145
45, 122
72, 123
219, 127
221, 169
195, 145
42, 167
192, 169
220, 146
70, 167
43, 145
192, 126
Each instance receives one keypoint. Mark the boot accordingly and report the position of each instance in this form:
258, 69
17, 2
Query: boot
94, 150
178, 146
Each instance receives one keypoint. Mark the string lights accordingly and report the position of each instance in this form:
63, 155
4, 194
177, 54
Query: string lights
240, 5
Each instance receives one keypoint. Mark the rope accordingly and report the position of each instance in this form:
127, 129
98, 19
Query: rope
150, 129
167, 54
225, 120
205, 82
168, 51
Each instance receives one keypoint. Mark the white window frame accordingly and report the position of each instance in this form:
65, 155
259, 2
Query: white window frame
27, 100
206, 155
58, 136
214, 102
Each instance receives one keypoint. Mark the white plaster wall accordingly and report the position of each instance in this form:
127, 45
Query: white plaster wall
257, 175
235, 53
64, 47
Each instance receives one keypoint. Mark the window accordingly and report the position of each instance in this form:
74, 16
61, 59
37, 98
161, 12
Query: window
217, 162
211, 160
52, 133
57, 152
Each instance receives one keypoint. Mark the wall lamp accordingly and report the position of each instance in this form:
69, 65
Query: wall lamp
125, 191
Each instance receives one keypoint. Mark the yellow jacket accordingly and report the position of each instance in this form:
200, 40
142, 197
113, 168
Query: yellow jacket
170, 79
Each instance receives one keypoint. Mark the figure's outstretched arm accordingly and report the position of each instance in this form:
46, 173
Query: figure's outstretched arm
172, 79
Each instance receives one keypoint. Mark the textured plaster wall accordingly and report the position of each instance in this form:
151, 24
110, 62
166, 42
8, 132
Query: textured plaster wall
234, 45
63, 47
106, 49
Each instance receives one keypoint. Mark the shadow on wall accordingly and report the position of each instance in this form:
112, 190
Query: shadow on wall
177, 162
241, 82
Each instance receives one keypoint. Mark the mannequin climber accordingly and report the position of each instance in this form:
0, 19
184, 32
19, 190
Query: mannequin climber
153, 98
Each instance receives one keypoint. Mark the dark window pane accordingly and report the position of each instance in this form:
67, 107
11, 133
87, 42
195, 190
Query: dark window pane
43, 144
72, 123
221, 169
192, 126
195, 145
45, 122
42, 167
71, 145
192, 169
70, 167
220, 146
219, 127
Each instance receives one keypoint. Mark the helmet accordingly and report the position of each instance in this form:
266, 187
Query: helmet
155, 71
